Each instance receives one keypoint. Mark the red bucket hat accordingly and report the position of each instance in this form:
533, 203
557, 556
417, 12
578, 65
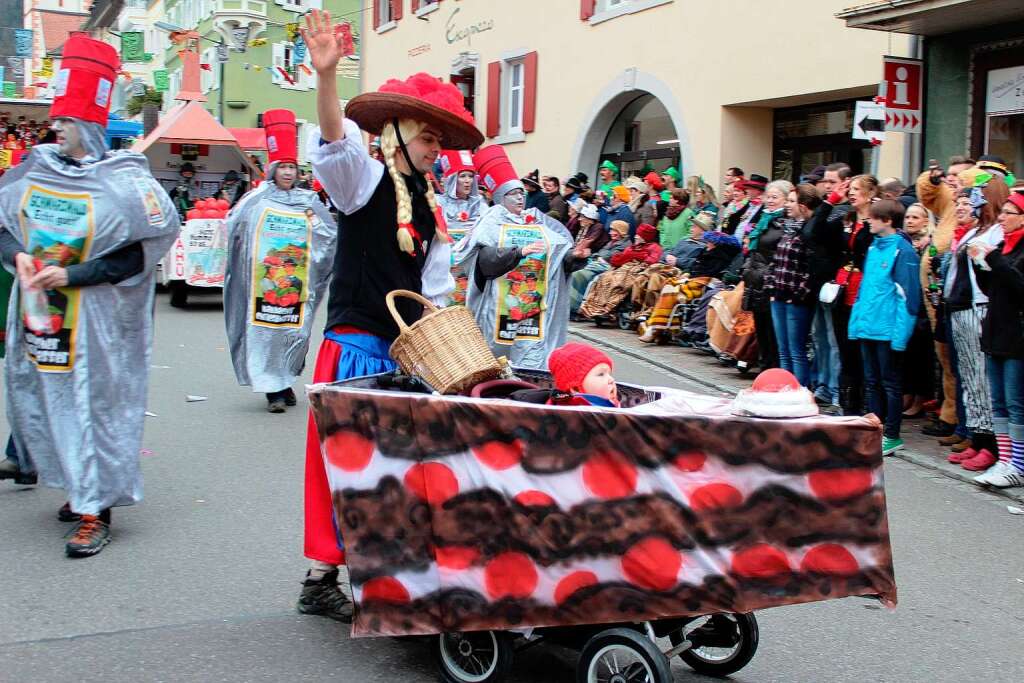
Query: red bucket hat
83, 85
282, 135
456, 161
497, 173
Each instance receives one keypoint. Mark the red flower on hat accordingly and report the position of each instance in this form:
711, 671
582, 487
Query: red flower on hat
431, 90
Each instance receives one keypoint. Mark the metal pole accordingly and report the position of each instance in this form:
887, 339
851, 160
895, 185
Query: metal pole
220, 94
876, 155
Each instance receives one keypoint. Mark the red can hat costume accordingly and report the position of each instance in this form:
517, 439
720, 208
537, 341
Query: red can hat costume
497, 173
456, 161
82, 88
570, 365
282, 136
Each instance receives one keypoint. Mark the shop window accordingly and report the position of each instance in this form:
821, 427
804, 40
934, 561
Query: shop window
512, 97
815, 135
1004, 115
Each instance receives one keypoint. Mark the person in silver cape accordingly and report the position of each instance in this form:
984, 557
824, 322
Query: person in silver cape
266, 355
488, 263
83, 228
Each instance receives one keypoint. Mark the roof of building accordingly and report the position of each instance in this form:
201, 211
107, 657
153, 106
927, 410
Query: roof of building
57, 26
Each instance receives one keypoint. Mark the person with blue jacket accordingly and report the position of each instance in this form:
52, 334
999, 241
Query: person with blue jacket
884, 315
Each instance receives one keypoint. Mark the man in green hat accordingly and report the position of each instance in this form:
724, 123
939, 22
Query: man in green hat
609, 176
671, 177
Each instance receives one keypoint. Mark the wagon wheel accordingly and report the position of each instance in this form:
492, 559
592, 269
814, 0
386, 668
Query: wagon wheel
621, 655
477, 657
722, 643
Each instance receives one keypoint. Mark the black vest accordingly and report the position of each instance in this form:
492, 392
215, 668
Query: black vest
368, 262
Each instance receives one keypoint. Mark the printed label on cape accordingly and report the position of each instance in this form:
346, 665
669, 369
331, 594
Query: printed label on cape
280, 268
57, 229
206, 251
458, 231
521, 292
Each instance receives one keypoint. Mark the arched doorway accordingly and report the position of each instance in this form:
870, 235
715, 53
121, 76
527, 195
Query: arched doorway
642, 138
626, 122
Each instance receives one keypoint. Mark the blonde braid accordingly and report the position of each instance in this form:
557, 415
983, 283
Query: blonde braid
390, 149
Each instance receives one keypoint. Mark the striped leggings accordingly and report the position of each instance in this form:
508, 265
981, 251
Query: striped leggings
971, 366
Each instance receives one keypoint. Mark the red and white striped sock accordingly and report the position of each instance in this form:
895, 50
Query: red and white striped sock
1005, 447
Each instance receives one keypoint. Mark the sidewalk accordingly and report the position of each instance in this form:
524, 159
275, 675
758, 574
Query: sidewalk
704, 369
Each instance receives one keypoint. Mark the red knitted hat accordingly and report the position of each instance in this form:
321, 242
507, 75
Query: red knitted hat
648, 232
570, 364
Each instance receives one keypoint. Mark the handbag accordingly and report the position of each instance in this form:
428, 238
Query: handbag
830, 293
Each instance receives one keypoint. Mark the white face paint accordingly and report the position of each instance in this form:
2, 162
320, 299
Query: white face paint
69, 138
285, 174
514, 201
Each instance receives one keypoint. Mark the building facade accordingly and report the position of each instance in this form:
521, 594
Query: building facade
973, 54
271, 72
766, 86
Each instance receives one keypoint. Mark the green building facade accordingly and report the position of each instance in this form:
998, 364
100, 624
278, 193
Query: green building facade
271, 72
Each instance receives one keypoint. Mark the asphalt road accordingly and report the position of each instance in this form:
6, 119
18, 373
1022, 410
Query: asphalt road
200, 580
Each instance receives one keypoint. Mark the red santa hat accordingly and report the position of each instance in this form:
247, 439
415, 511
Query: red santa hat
569, 365
775, 393
282, 136
497, 173
456, 161
83, 85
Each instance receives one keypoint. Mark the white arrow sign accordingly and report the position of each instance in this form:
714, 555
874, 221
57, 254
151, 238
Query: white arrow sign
869, 121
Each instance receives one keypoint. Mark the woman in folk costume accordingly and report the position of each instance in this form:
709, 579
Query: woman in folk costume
391, 236
519, 261
462, 206
279, 262
84, 229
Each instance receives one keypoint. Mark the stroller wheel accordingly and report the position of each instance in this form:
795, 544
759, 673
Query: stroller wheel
722, 643
621, 654
477, 657
625, 320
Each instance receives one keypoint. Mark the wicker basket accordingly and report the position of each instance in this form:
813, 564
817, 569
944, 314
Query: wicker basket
445, 347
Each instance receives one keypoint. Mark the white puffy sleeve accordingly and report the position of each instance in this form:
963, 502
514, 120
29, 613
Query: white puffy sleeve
346, 169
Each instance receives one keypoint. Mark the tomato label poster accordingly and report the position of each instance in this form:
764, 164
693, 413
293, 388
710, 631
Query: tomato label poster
458, 232
206, 251
521, 292
280, 274
57, 229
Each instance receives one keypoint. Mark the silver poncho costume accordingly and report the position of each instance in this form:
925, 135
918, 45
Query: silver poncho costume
524, 314
460, 215
280, 253
78, 357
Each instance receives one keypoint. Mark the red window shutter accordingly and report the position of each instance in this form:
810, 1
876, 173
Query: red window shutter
493, 99
415, 5
376, 12
529, 92
396, 10
587, 9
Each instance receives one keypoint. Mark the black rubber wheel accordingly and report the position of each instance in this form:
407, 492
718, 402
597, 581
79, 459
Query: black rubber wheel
722, 645
621, 655
625, 320
179, 293
474, 657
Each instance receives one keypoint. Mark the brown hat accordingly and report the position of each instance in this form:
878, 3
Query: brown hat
421, 97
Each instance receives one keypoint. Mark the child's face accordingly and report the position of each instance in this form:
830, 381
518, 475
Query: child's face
879, 226
599, 382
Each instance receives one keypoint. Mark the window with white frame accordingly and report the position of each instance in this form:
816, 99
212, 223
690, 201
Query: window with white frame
385, 12
605, 5
173, 86
603, 10
283, 57
515, 90
209, 79
300, 5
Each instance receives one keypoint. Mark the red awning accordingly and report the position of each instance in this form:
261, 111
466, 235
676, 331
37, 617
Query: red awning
250, 139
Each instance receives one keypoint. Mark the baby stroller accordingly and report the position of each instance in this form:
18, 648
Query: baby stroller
494, 523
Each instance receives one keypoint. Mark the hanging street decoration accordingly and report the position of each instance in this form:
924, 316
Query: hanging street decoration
161, 82
23, 42
133, 47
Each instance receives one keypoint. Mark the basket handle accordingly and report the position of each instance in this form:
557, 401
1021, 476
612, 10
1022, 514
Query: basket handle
390, 301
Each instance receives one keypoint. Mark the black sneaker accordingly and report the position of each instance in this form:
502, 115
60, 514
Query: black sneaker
276, 406
289, 397
10, 470
938, 428
65, 514
324, 597
88, 538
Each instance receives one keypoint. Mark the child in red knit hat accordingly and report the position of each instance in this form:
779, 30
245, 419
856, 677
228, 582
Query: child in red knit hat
583, 375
